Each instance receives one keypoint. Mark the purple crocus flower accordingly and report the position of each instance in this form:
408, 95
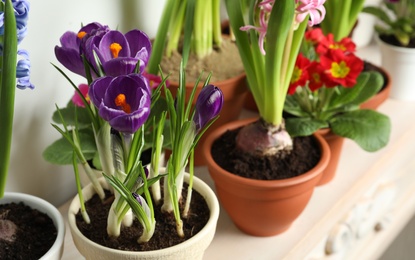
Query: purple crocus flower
208, 105
123, 101
69, 54
119, 53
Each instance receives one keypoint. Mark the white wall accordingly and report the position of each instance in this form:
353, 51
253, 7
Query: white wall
48, 20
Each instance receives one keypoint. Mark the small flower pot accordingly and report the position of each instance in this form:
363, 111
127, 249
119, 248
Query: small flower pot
192, 248
56, 250
335, 143
263, 207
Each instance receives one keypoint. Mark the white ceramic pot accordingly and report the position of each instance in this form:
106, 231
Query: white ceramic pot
191, 249
400, 63
365, 29
56, 251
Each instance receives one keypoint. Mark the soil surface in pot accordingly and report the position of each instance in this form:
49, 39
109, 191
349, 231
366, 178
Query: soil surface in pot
165, 233
304, 156
393, 41
35, 232
223, 62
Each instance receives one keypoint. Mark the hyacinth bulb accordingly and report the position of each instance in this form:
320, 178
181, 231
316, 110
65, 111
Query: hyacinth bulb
261, 139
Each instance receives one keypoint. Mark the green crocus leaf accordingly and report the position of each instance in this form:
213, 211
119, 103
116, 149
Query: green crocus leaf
60, 152
305, 126
368, 128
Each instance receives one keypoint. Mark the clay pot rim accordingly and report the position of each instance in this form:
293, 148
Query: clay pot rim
317, 170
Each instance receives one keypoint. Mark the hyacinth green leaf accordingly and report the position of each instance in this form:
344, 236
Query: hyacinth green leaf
7, 90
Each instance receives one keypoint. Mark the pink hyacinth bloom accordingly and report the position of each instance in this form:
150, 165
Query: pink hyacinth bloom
266, 7
313, 7
76, 99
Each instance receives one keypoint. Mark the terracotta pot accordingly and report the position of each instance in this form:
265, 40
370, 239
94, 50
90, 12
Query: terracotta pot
382, 95
261, 207
192, 248
234, 92
335, 143
56, 251
250, 102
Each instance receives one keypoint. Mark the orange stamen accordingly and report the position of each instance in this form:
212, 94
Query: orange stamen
121, 101
81, 34
115, 49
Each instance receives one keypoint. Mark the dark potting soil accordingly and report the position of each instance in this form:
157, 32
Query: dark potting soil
393, 41
35, 232
165, 234
304, 156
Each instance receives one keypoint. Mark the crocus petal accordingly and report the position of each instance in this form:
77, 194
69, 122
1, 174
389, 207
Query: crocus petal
110, 38
132, 111
143, 204
140, 45
120, 66
68, 54
98, 89
208, 105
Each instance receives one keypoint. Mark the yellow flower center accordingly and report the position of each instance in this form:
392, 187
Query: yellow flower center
337, 46
81, 34
121, 102
339, 70
296, 74
115, 49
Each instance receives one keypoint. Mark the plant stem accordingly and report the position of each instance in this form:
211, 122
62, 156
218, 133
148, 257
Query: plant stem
7, 91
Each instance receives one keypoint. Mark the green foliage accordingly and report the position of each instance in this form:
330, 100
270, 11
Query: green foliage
369, 129
398, 19
7, 89
60, 152
68, 115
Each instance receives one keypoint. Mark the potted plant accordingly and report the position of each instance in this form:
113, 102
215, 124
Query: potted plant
25, 220
396, 38
327, 90
122, 108
341, 19
261, 177
194, 26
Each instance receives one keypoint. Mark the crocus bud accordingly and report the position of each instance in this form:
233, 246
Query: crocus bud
208, 105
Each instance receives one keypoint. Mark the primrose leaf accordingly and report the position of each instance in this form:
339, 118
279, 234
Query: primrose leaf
303, 126
368, 128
